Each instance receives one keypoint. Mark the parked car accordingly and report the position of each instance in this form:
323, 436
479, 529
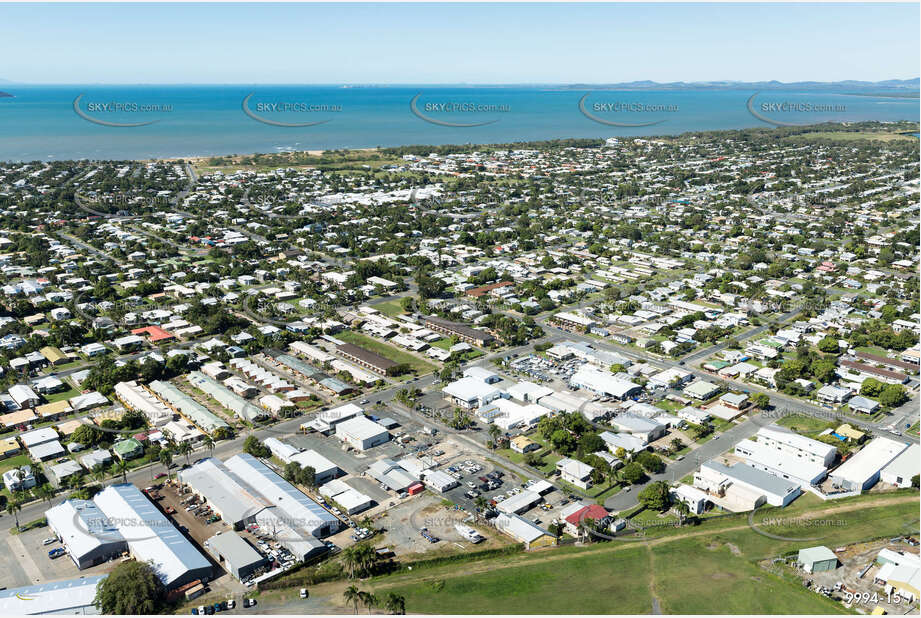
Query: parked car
249, 602
49, 540
57, 552
304, 593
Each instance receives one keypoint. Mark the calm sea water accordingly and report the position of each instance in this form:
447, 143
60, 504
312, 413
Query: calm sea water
40, 122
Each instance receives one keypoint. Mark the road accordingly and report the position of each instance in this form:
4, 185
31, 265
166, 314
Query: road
749, 334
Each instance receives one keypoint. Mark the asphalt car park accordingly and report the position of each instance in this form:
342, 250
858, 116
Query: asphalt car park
24, 560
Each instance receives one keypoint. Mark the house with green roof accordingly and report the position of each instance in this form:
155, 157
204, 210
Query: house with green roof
128, 449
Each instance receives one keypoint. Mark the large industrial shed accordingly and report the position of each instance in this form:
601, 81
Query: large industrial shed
862, 471
324, 469
224, 492
152, 537
239, 558
294, 504
85, 532
361, 433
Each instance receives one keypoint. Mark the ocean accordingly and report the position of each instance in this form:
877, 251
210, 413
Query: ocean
90, 122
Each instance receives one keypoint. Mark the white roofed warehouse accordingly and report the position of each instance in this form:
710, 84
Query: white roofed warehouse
85, 532
296, 506
152, 537
361, 433
862, 470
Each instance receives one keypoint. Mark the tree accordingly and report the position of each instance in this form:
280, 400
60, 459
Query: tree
166, 458
395, 604
307, 476
823, 370
351, 593
893, 395
86, 435
132, 587
13, 507
591, 443
871, 387
633, 473
829, 345
208, 443
185, 448
655, 497
254, 447
683, 511
916, 481
677, 444
651, 462
291, 471
368, 599
761, 400
494, 433
122, 466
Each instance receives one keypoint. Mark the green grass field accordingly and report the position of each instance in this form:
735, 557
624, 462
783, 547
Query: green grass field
542, 588
848, 136
699, 576
68, 394
716, 568
388, 351
806, 424
390, 307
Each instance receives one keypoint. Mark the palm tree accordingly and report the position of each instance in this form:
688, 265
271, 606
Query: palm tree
683, 511
208, 442
368, 600
185, 448
166, 458
395, 604
494, 433
352, 594
99, 475
45, 492
12, 508
122, 466
350, 560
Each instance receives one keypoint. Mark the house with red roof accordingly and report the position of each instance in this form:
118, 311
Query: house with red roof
595, 512
155, 334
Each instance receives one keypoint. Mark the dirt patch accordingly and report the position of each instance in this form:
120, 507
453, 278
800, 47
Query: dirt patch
734, 549
722, 576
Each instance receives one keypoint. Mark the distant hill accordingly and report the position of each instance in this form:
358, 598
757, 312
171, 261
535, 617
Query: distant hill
850, 86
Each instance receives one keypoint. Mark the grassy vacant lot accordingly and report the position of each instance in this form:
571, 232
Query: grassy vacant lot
386, 350
613, 583
390, 307
712, 568
700, 576
849, 136
806, 424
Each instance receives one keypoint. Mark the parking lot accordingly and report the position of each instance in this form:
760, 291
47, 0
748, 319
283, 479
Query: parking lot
24, 561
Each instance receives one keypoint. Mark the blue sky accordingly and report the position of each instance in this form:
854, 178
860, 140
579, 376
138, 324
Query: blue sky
456, 43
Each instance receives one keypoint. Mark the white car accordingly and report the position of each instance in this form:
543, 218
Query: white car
49, 540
